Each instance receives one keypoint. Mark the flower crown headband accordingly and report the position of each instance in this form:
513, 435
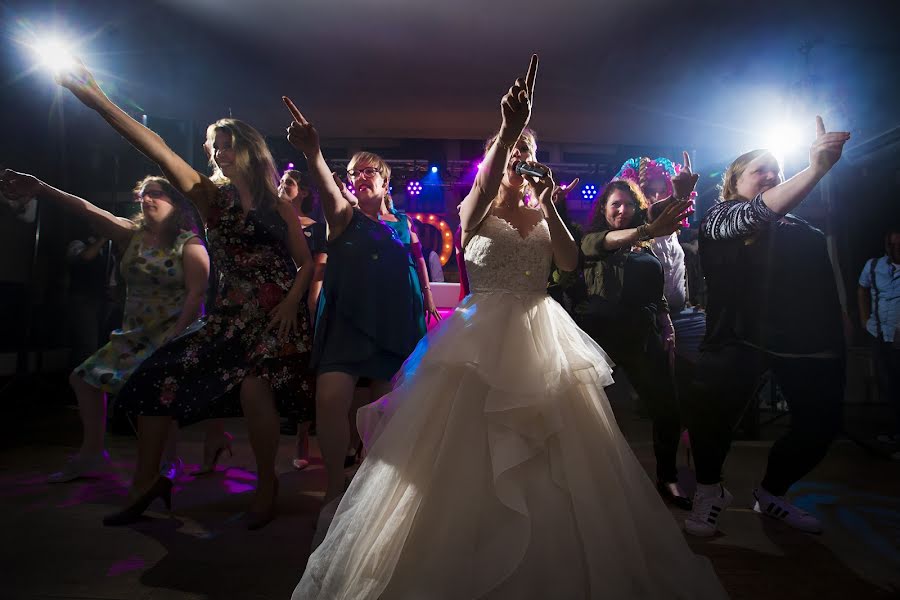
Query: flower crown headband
642, 170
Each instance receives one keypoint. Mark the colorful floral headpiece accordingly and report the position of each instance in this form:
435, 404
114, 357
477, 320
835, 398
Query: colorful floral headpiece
643, 169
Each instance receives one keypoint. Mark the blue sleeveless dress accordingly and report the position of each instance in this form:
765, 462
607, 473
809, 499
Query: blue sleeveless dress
365, 324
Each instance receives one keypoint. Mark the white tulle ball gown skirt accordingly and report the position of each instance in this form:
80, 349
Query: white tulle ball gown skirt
495, 469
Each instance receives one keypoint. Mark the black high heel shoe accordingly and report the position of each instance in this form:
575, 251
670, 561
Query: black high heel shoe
209, 465
161, 488
355, 458
258, 520
682, 502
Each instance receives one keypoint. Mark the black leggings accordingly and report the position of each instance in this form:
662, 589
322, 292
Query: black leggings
724, 382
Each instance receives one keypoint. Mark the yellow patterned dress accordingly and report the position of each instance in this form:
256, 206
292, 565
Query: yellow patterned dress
154, 280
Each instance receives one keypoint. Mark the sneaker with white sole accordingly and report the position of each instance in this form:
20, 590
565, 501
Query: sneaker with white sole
710, 501
79, 466
779, 508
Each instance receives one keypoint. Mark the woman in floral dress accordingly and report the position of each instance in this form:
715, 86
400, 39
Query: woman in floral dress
165, 268
254, 346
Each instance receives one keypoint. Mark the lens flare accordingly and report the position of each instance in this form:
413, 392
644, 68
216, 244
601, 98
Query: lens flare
54, 55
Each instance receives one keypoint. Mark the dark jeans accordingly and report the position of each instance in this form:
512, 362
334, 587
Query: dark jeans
887, 371
649, 373
725, 381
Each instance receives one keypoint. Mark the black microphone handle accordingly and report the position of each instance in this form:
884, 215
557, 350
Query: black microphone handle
523, 168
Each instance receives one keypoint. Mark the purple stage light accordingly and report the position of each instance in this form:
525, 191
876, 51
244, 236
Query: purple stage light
413, 188
588, 191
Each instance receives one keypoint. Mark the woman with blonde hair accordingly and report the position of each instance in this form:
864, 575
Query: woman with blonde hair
773, 305
165, 268
254, 345
367, 323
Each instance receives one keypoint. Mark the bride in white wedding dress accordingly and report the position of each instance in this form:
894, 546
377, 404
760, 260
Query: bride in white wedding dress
495, 467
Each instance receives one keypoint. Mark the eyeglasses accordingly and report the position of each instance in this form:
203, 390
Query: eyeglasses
368, 172
154, 194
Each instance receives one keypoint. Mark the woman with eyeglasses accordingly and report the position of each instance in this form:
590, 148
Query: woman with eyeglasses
250, 356
165, 268
367, 322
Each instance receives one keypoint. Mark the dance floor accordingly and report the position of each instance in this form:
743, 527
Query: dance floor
54, 545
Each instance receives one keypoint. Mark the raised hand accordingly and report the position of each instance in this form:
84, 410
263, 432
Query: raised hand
562, 191
19, 187
345, 191
78, 80
669, 221
515, 106
684, 182
827, 148
301, 134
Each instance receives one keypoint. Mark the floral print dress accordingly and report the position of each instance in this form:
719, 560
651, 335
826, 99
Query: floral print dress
154, 280
198, 375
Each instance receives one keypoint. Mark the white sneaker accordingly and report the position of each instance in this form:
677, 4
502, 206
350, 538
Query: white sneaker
709, 503
779, 508
80, 466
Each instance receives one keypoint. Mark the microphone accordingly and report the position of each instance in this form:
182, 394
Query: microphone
523, 168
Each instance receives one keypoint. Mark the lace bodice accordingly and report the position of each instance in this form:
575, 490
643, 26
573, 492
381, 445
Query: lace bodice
499, 259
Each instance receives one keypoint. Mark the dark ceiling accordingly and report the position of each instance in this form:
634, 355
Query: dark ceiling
694, 74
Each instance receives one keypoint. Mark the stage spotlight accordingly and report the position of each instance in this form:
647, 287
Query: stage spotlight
588, 191
290, 165
54, 54
413, 188
783, 141
434, 169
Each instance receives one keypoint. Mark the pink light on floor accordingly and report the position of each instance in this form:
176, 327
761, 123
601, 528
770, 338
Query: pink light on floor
132, 563
235, 487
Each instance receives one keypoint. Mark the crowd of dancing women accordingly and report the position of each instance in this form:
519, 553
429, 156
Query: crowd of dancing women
494, 467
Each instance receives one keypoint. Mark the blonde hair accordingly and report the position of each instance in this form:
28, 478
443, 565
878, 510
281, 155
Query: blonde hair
728, 188
379, 163
252, 160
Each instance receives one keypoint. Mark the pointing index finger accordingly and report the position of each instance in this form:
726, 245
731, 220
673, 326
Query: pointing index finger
531, 75
687, 160
820, 126
295, 112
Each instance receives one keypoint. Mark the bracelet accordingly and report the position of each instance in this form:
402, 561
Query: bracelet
643, 233
508, 146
